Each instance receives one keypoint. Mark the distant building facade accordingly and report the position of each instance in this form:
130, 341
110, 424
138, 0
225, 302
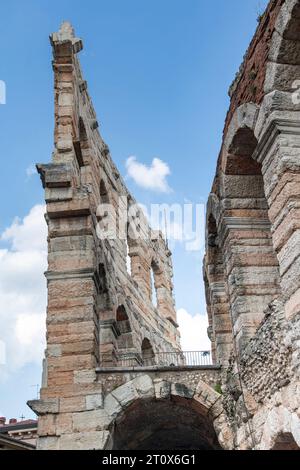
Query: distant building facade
18, 435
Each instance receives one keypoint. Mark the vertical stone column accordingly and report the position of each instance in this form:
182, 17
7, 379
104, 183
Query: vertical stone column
163, 280
249, 258
220, 322
210, 329
69, 392
279, 154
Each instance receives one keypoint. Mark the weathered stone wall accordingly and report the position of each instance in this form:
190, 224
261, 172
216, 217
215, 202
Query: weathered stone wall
188, 377
99, 311
88, 420
251, 267
261, 392
266, 364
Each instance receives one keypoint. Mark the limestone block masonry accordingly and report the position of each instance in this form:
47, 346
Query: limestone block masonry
251, 266
102, 386
100, 314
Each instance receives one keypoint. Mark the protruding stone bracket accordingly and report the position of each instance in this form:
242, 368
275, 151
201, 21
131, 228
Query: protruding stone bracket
45, 406
55, 175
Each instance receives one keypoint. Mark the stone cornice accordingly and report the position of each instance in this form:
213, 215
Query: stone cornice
275, 128
74, 274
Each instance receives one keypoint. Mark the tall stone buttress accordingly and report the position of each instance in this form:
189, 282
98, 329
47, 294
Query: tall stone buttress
99, 314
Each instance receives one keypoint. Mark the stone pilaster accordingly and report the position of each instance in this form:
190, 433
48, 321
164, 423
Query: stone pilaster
279, 154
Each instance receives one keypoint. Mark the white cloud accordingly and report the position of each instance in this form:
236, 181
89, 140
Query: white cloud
23, 297
23, 291
153, 177
31, 170
29, 234
193, 330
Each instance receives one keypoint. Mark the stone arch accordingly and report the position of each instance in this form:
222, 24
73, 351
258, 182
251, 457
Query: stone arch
245, 117
125, 340
252, 267
183, 416
213, 207
122, 319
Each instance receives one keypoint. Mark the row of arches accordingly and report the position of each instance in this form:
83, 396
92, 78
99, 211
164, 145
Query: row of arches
144, 355
148, 281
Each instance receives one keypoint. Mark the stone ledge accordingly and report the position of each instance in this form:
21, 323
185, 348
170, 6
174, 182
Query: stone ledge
109, 370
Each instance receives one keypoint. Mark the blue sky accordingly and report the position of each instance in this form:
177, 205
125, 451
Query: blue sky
158, 72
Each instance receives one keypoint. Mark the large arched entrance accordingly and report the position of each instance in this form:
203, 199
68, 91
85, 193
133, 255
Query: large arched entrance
175, 423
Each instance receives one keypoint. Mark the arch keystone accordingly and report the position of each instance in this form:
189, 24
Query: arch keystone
144, 386
162, 389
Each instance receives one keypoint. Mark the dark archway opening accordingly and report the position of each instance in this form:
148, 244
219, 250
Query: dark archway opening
147, 353
286, 441
176, 424
123, 320
124, 327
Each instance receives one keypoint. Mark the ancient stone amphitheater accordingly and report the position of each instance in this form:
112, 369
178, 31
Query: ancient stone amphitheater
114, 374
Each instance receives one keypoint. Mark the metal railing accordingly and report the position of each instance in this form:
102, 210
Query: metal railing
161, 359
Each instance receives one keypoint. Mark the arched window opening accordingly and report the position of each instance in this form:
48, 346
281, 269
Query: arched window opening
243, 145
125, 341
80, 143
147, 353
128, 258
154, 273
212, 232
102, 282
123, 320
106, 215
153, 289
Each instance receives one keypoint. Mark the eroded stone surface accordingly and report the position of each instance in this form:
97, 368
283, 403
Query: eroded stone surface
251, 266
100, 315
